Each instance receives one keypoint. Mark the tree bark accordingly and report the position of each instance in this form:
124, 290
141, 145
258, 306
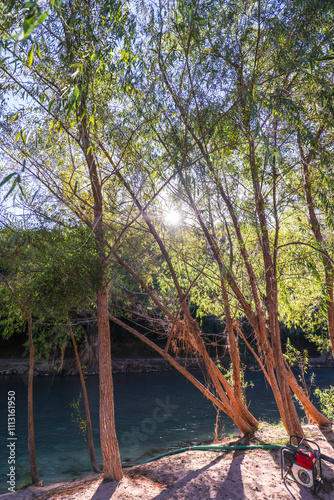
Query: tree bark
316, 229
112, 467
286, 405
236, 408
310, 409
31, 433
226, 408
84, 390
279, 385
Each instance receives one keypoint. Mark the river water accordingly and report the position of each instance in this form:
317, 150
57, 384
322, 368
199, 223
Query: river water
155, 412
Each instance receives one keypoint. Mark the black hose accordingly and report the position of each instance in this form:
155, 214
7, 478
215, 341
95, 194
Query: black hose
327, 459
215, 448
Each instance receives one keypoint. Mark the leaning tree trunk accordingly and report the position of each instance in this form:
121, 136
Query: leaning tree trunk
221, 403
84, 390
228, 403
236, 394
31, 434
309, 407
274, 359
272, 352
287, 410
238, 411
236, 408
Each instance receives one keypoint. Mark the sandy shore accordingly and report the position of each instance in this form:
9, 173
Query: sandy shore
200, 475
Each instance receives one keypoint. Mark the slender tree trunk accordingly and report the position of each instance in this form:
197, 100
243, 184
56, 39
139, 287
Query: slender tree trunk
31, 434
316, 229
112, 467
330, 306
289, 411
234, 394
210, 365
236, 409
84, 390
269, 347
310, 409
279, 385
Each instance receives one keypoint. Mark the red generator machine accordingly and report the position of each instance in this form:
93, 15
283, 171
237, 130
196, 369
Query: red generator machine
302, 463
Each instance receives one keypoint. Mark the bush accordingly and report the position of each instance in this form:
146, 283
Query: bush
326, 398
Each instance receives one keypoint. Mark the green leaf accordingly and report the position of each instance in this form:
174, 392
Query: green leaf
31, 56
6, 179
22, 192
56, 3
16, 181
14, 118
326, 58
29, 26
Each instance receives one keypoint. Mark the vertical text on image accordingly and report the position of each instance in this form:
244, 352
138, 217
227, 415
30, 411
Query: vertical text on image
11, 441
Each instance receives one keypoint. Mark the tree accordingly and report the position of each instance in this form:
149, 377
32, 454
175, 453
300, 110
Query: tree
236, 135
65, 65
90, 122
16, 286
68, 265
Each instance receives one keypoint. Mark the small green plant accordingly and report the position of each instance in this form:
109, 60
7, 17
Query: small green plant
228, 375
77, 417
326, 398
300, 361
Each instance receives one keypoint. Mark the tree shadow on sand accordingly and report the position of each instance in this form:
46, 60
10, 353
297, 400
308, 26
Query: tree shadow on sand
105, 490
231, 488
184, 481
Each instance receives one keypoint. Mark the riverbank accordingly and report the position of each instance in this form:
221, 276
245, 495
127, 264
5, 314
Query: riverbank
237, 475
20, 366
17, 366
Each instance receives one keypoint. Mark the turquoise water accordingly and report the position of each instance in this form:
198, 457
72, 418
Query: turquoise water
154, 412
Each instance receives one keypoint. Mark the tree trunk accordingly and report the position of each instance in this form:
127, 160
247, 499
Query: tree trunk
84, 390
330, 306
280, 387
224, 406
193, 338
248, 423
236, 409
316, 229
31, 434
287, 410
235, 393
309, 407
112, 467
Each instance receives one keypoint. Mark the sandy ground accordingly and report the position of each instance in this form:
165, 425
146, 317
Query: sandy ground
200, 475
